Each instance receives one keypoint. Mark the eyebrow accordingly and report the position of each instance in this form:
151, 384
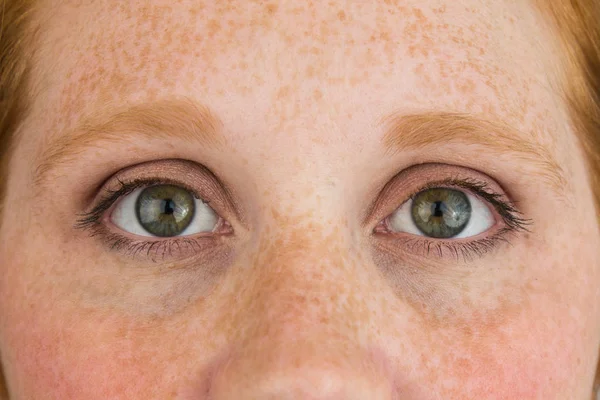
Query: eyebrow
181, 119
191, 122
417, 131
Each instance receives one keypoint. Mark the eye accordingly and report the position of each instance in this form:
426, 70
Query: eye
163, 211
442, 213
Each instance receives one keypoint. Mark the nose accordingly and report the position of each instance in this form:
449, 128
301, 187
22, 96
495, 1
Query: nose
294, 372
304, 330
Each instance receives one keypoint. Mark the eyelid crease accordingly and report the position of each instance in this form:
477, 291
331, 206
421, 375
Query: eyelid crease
416, 131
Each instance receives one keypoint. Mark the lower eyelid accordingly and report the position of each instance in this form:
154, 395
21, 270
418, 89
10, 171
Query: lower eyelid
170, 249
205, 245
402, 247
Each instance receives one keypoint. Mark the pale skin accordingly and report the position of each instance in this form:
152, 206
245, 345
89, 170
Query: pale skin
299, 295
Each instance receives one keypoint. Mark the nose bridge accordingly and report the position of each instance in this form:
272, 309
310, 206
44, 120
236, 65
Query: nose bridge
306, 272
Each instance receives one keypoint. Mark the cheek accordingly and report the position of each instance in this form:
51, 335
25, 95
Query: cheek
489, 367
78, 355
529, 355
53, 347
75, 361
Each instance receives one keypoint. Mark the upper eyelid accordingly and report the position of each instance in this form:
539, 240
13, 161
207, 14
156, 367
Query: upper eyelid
505, 207
107, 199
410, 181
455, 186
113, 196
205, 186
477, 189
194, 177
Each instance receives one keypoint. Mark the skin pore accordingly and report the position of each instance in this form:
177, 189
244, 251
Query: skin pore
304, 125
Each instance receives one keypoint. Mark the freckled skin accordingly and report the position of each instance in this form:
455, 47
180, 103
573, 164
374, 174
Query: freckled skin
309, 307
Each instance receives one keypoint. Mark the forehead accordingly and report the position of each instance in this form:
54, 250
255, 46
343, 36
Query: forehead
289, 64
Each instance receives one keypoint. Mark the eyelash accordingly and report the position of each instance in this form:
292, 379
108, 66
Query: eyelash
159, 249
468, 250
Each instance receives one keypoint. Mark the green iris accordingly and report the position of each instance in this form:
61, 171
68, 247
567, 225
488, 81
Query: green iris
441, 213
165, 210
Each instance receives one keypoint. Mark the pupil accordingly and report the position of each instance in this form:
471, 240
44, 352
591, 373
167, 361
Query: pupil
438, 209
167, 206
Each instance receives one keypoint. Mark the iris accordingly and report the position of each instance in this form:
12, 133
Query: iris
165, 210
441, 213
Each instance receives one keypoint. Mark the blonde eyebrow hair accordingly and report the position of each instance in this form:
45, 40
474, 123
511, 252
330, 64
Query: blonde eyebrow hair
416, 131
167, 119
190, 122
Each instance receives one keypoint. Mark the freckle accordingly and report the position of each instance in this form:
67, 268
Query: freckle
354, 80
341, 16
463, 364
412, 50
272, 8
318, 95
283, 92
213, 27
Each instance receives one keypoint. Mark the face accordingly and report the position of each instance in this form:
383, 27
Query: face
224, 200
